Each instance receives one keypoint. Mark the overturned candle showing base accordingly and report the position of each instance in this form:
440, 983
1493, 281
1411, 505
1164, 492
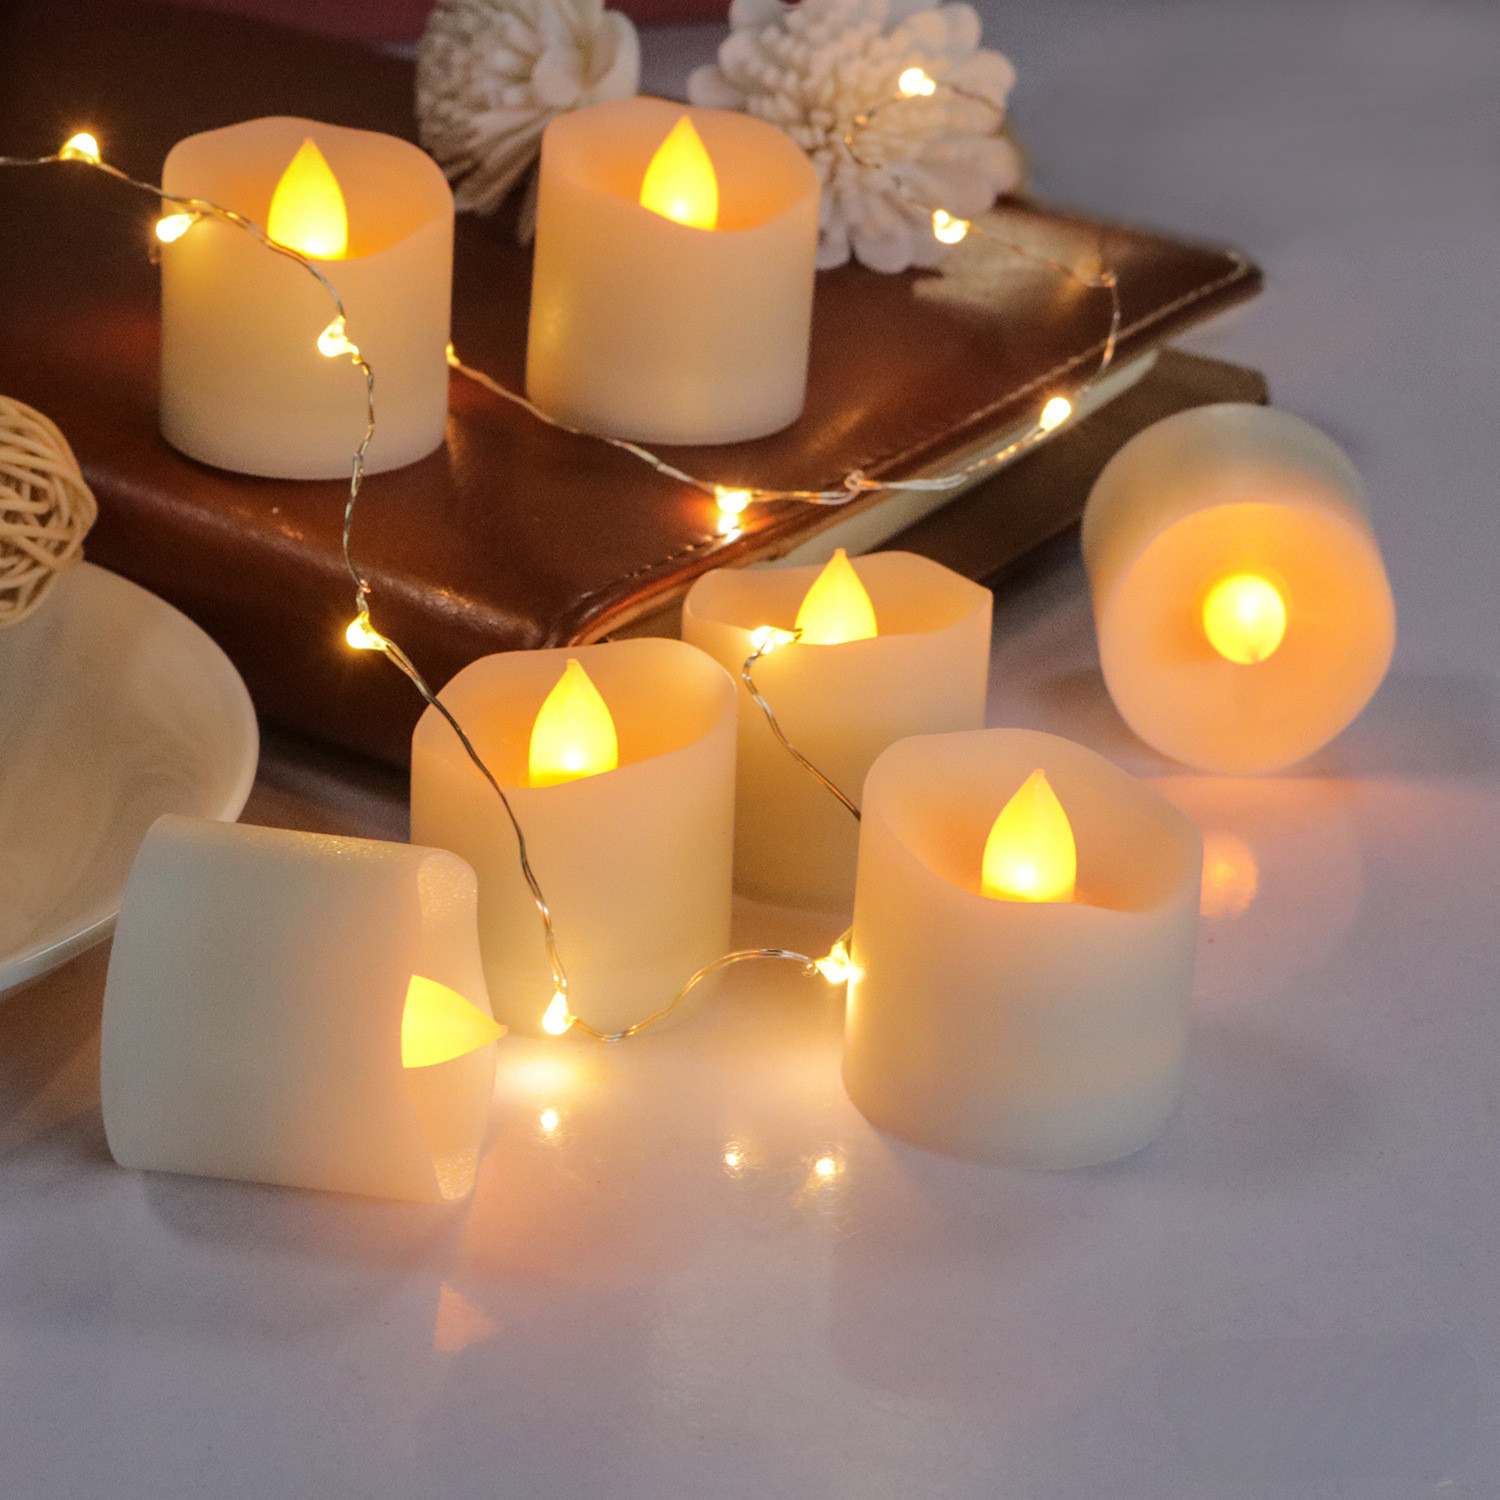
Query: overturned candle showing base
1243, 611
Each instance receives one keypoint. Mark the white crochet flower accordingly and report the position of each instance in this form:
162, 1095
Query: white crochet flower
491, 75
815, 68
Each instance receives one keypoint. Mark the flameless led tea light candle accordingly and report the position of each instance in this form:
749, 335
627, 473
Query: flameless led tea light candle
1243, 610
297, 1009
672, 288
246, 384
891, 645
619, 762
1024, 929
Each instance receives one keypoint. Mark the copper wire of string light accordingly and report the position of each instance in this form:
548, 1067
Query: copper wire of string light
334, 342
765, 640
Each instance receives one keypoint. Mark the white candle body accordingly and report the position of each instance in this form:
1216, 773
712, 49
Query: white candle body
252, 1017
243, 384
925, 673
634, 862
1198, 497
648, 329
1045, 1034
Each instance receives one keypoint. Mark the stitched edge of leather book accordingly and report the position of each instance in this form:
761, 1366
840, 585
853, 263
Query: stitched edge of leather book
513, 534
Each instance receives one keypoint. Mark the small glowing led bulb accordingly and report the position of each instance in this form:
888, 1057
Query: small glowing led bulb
1244, 618
679, 183
838, 967
836, 608
363, 636
914, 82
174, 226
556, 1020
81, 147
1055, 413
1030, 854
732, 505
946, 228
767, 638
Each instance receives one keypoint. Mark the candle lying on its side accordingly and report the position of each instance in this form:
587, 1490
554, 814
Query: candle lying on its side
619, 762
1242, 607
671, 299
1024, 929
892, 645
244, 384
298, 1009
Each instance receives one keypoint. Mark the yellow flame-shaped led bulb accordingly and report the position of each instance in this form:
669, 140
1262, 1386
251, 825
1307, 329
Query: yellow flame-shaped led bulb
1244, 618
574, 735
439, 1024
836, 608
1030, 854
307, 209
680, 182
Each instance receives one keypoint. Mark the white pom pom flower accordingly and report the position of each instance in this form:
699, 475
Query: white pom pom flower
827, 71
491, 75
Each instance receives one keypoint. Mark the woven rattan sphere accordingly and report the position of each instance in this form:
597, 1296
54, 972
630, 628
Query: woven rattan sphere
45, 509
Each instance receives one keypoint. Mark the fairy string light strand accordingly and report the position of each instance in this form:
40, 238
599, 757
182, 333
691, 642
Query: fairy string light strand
335, 342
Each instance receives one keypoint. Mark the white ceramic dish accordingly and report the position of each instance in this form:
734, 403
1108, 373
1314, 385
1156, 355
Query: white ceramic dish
114, 708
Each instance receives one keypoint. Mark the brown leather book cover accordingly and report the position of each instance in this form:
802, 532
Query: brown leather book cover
514, 534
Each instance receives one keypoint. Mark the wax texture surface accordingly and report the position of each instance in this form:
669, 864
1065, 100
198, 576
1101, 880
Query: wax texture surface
253, 1012
1042, 1034
634, 861
925, 672
659, 331
243, 383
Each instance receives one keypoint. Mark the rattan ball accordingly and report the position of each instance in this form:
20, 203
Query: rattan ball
45, 509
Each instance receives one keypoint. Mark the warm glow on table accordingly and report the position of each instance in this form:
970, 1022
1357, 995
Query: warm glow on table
574, 734
837, 607
679, 183
1244, 618
438, 1024
307, 209
1030, 853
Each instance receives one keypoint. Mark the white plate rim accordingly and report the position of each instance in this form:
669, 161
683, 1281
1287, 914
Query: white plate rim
26, 964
